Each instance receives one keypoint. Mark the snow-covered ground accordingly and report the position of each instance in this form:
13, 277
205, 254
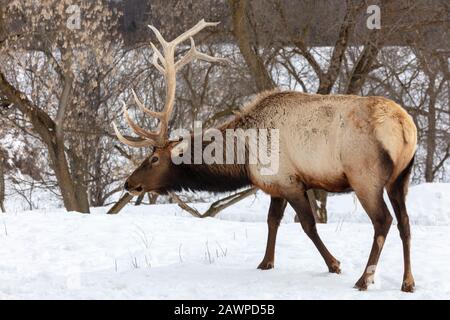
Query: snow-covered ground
159, 252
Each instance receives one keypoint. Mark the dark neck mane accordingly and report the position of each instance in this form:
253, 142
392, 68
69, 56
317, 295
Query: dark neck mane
209, 177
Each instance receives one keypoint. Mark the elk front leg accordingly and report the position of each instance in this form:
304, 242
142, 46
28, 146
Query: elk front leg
276, 211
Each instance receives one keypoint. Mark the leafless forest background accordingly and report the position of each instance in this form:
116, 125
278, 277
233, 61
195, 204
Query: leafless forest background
60, 88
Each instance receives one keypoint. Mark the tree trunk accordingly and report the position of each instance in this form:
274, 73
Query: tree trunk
82, 196
431, 137
2, 182
321, 197
69, 192
78, 173
319, 211
364, 64
152, 197
249, 52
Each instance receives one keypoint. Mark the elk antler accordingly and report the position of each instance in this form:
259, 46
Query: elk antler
166, 64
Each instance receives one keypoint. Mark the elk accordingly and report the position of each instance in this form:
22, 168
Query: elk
337, 143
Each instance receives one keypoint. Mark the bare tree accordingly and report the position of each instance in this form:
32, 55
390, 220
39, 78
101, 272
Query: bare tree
2, 179
431, 67
61, 86
63, 54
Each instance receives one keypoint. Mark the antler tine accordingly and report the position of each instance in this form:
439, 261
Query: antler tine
160, 38
157, 65
141, 106
157, 55
131, 143
153, 136
202, 24
194, 54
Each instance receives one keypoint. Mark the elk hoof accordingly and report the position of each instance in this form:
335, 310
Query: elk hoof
335, 267
408, 286
266, 265
361, 284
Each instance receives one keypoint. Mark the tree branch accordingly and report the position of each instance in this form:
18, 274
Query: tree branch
216, 206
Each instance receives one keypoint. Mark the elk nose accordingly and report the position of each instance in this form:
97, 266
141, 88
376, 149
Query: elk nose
126, 186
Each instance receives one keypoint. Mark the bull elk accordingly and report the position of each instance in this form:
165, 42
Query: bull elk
337, 143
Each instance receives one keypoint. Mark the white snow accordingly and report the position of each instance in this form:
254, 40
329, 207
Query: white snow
159, 252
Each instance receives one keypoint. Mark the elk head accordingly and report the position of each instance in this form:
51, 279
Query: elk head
154, 173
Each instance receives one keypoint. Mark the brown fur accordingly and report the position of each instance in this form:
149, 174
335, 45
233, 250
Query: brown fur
333, 142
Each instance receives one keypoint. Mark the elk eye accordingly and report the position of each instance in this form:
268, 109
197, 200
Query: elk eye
155, 159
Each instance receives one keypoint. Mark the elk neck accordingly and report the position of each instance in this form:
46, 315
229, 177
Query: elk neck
209, 177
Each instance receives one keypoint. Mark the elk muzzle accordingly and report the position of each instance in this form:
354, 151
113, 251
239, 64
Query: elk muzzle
135, 190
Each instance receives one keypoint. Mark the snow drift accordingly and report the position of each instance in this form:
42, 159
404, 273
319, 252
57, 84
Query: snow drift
159, 252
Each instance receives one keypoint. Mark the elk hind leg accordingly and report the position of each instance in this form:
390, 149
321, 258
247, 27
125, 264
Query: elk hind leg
397, 194
276, 211
373, 203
